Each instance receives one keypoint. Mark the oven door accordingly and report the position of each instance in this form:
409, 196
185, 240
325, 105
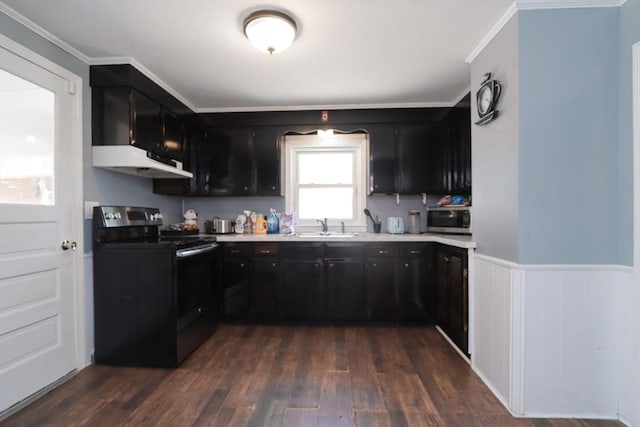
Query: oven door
195, 283
197, 302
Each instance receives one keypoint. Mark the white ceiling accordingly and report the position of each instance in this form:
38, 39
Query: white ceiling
347, 53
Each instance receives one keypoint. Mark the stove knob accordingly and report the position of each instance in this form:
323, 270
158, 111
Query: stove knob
108, 215
117, 215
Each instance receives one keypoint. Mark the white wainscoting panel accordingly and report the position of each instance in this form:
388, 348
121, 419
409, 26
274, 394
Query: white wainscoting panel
558, 340
576, 340
492, 344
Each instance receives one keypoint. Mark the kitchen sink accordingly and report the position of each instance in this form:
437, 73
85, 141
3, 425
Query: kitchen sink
327, 234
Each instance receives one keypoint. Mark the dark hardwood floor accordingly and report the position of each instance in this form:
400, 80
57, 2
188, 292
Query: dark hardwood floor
247, 375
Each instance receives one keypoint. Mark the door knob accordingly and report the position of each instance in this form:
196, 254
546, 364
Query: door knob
66, 245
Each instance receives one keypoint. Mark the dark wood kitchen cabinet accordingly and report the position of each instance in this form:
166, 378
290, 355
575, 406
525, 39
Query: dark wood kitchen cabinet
460, 140
224, 162
382, 283
235, 279
346, 287
303, 290
414, 141
382, 159
417, 288
453, 294
266, 161
265, 281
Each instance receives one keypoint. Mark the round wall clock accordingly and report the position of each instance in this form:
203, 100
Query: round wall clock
486, 100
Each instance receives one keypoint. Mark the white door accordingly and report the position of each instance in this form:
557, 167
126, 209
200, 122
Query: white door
38, 125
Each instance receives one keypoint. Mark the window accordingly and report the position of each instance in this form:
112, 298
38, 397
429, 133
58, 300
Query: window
325, 177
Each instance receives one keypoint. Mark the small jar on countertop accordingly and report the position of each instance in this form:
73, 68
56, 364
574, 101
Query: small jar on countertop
414, 222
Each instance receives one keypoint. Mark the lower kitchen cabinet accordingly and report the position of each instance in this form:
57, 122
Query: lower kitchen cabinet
303, 290
265, 281
417, 288
453, 294
346, 290
337, 281
382, 283
235, 279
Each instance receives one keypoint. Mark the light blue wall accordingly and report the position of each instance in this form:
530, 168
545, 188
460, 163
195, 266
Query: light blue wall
629, 35
568, 136
494, 150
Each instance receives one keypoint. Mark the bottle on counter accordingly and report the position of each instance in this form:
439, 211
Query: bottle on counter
261, 225
273, 223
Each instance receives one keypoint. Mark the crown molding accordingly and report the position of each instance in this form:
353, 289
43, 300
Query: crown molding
518, 5
325, 107
21, 19
566, 4
492, 33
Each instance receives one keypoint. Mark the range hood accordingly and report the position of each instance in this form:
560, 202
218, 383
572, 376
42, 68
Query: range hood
135, 161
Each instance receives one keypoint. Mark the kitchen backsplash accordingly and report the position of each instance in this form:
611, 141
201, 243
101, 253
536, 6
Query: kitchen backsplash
230, 207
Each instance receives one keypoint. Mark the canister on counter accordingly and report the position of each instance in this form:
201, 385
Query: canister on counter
414, 222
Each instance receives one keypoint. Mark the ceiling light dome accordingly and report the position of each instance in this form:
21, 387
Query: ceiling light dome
270, 31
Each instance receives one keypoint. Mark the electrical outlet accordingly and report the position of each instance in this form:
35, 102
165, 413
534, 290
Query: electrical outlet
88, 209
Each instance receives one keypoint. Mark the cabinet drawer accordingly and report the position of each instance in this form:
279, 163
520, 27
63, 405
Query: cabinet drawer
410, 251
265, 250
381, 251
235, 250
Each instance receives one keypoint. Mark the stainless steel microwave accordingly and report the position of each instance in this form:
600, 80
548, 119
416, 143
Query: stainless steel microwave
449, 219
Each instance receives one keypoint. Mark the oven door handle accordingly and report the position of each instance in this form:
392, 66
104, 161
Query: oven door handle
184, 253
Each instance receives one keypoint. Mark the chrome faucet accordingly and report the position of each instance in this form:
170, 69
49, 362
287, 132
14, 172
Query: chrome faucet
325, 227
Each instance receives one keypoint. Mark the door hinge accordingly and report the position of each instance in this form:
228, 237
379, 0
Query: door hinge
465, 273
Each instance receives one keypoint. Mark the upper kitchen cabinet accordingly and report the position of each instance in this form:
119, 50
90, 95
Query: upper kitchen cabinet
382, 158
224, 162
414, 141
266, 158
137, 127
460, 140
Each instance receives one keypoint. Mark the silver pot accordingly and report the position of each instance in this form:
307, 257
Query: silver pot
219, 226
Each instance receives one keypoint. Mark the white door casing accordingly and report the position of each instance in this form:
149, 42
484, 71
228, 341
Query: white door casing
41, 302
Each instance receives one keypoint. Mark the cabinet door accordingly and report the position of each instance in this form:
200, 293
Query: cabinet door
442, 265
224, 162
235, 288
413, 140
458, 299
346, 290
461, 151
418, 289
266, 155
382, 289
383, 158
173, 136
146, 123
265, 281
438, 160
302, 291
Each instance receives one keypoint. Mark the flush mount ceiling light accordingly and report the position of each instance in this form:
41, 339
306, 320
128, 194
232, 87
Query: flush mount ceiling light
270, 31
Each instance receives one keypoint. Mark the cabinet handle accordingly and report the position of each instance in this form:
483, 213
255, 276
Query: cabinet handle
446, 259
246, 188
383, 252
273, 265
241, 265
234, 251
374, 264
265, 251
406, 265
331, 265
273, 187
414, 252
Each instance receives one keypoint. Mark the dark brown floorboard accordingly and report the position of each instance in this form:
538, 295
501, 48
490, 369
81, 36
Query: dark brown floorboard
258, 375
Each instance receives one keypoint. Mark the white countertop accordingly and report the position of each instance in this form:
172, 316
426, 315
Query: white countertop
461, 241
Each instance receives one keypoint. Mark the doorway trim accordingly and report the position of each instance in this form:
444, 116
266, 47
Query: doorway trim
74, 86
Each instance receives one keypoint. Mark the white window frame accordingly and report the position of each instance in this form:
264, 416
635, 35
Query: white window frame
358, 144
